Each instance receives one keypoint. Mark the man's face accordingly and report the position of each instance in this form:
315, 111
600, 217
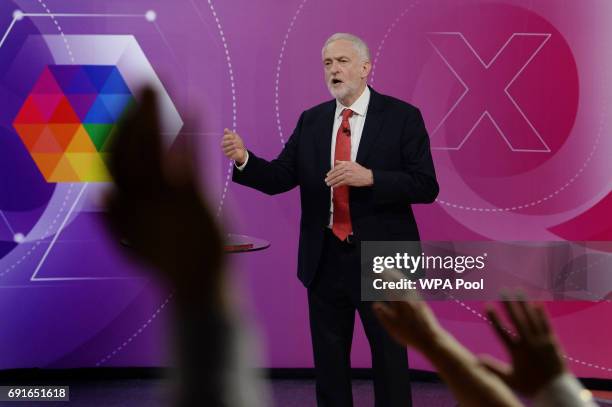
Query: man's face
345, 70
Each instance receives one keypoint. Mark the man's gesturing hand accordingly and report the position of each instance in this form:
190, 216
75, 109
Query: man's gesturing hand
349, 173
233, 146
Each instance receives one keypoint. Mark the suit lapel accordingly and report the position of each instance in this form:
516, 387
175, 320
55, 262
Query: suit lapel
371, 128
323, 132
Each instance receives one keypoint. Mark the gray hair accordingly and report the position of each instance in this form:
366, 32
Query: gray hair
360, 46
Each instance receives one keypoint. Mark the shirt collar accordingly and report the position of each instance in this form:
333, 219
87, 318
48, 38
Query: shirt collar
360, 106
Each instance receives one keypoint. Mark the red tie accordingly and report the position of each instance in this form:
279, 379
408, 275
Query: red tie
342, 215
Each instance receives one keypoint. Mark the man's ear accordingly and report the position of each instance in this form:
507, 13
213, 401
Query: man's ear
365, 69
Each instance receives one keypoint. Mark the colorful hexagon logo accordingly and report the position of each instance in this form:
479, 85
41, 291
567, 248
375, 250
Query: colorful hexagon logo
69, 116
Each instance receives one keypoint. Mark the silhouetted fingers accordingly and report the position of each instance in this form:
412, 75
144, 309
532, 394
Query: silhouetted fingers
135, 150
118, 215
529, 317
181, 166
542, 319
516, 316
499, 328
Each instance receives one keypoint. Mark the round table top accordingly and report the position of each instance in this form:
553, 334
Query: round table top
242, 243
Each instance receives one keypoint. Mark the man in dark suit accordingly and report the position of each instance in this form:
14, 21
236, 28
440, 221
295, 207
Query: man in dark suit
360, 161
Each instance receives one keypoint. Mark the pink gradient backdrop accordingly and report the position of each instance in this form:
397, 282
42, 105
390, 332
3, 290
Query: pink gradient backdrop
255, 65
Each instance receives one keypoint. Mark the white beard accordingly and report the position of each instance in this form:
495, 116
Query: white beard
342, 92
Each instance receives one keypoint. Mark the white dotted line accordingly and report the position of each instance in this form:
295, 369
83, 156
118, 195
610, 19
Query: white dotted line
8, 225
478, 314
136, 333
47, 233
382, 43
605, 105
234, 108
472, 310
63, 206
59, 28
539, 201
570, 358
234, 125
278, 70
582, 290
18, 262
592, 365
594, 296
465, 306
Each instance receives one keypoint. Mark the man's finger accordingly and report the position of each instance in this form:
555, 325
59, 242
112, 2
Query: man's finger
515, 315
542, 320
339, 165
333, 177
182, 161
501, 330
135, 159
342, 168
230, 153
335, 169
334, 174
347, 165
529, 317
149, 140
338, 181
229, 143
228, 138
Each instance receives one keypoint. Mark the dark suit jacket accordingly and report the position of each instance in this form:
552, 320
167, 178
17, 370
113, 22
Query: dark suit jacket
394, 145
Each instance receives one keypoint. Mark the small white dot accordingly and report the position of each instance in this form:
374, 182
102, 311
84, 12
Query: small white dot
19, 237
18, 15
151, 15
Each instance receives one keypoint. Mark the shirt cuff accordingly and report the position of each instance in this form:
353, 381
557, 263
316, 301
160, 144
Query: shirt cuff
564, 391
241, 167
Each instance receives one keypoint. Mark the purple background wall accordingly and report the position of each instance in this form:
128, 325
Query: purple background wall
254, 66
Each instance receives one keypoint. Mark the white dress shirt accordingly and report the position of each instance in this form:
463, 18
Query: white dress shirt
356, 122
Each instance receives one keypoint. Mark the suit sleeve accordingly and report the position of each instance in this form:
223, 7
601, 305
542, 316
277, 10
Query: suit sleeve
416, 182
276, 176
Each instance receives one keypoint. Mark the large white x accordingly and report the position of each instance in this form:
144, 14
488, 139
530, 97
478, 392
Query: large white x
487, 94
